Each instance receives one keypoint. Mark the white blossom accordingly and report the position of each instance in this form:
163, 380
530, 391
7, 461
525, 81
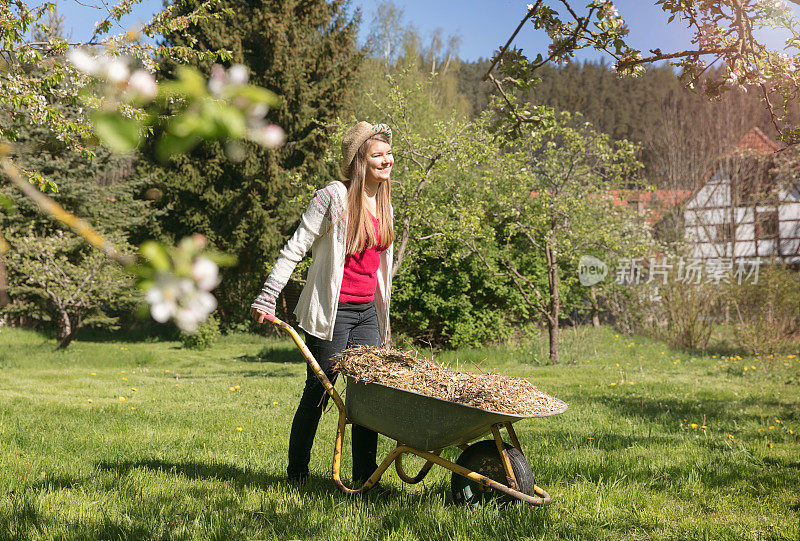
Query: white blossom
115, 69
205, 273
83, 61
194, 309
179, 299
238, 74
258, 111
218, 79
270, 136
143, 84
165, 295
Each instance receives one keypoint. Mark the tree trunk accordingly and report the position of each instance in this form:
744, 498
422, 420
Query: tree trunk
67, 328
555, 302
595, 308
4, 298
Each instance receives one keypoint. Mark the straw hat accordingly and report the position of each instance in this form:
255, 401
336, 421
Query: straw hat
355, 137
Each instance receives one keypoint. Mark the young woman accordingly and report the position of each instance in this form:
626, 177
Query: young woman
345, 301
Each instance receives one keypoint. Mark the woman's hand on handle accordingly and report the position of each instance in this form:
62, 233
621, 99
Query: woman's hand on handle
261, 316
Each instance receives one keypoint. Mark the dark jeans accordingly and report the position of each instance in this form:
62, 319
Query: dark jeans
354, 325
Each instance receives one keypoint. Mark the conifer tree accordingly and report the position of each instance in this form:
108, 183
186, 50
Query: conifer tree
243, 199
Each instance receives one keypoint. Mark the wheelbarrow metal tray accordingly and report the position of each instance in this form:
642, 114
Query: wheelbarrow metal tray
421, 421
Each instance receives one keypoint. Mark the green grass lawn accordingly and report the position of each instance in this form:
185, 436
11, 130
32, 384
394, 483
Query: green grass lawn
118, 440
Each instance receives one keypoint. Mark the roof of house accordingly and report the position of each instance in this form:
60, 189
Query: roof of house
657, 202
756, 140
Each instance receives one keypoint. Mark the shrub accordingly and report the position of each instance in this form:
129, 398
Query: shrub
767, 313
205, 336
681, 314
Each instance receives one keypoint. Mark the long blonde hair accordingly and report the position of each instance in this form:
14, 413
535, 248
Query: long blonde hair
360, 232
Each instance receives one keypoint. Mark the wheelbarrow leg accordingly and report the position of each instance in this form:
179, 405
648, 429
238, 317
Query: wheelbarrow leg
337, 461
513, 435
515, 442
398, 463
498, 440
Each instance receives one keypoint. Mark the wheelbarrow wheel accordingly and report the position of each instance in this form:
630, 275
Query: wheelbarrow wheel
483, 458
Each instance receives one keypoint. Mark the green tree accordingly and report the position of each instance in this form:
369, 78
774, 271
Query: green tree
541, 201
45, 265
242, 198
60, 279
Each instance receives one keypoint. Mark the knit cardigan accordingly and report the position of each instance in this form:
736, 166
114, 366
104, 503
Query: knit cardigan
323, 228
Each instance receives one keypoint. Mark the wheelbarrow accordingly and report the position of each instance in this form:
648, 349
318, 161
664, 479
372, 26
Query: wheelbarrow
424, 426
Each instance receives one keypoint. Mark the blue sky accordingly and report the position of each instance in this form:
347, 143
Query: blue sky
482, 25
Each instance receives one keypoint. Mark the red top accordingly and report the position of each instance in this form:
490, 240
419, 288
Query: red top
361, 271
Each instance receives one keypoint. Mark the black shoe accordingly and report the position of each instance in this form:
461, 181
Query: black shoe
300, 479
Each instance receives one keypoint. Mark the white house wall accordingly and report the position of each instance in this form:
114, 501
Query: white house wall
710, 207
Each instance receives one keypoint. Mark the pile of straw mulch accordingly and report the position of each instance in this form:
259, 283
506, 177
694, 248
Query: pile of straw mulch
402, 370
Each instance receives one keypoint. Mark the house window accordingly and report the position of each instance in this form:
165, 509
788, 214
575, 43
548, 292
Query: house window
767, 225
725, 232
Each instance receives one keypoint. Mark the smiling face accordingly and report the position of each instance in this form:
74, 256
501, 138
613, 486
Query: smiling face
378, 162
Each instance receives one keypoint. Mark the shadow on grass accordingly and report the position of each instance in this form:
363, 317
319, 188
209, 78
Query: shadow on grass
241, 477
713, 464
669, 412
274, 354
141, 332
167, 517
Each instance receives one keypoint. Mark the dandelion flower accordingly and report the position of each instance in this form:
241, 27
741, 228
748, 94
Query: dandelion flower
770, 445
176, 385
236, 387
166, 371
613, 383
124, 379
590, 438
617, 365
694, 425
704, 427
231, 389
133, 407
133, 389
239, 428
122, 399
274, 403
772, 428
90, 400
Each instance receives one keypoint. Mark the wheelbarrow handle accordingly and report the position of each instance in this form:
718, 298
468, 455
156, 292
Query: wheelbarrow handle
312, 362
